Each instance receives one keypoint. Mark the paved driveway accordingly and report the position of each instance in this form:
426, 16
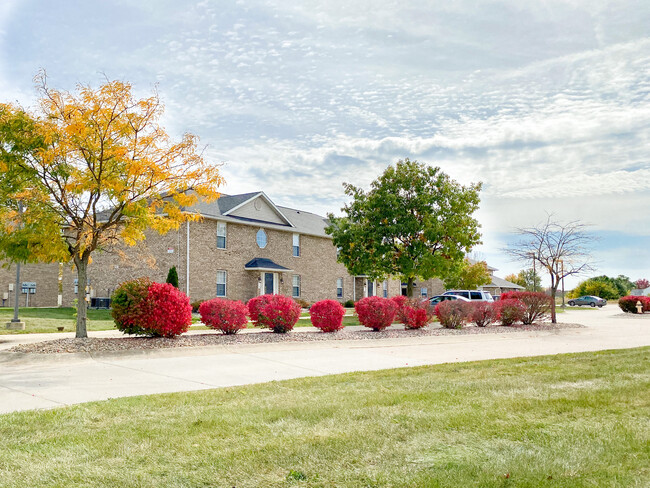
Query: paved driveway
40, 381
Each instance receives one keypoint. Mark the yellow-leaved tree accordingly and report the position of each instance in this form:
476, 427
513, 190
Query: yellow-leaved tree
95, 166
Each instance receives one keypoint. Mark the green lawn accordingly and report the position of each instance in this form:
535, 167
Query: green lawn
578, 420
38, 320
48, 319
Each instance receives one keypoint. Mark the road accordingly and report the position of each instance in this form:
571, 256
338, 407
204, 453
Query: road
31, 381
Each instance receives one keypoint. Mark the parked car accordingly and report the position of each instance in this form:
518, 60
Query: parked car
588, 300
441, 298
472, 295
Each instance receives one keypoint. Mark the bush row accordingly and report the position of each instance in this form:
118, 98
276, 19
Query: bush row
525, 307
628, 303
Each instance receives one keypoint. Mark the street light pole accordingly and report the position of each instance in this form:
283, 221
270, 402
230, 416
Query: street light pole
562, 263
15, 323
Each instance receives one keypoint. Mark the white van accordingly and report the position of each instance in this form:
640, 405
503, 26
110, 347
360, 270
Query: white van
473, 295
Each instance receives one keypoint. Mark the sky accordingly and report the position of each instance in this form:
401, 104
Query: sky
547, 103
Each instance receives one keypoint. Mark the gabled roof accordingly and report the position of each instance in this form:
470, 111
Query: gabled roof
501, 283
225, 209
263, 264
228, 202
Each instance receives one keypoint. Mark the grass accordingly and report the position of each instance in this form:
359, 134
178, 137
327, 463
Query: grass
38, 320
577, 420
44, 320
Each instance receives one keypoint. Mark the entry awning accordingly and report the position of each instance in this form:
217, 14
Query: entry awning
263, 264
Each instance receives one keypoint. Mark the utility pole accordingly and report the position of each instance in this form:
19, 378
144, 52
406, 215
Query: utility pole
15, 323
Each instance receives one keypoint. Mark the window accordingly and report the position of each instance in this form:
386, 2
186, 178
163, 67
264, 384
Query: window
295, 291
261, 239
221, 235
476, 295
385, 289
221, 283
296, 245
339, 287
424, 292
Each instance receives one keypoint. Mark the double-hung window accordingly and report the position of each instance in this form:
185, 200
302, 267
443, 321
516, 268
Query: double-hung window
295, 289
222, 278
423, 292
221, 235
296, 245
385, 289
339, 287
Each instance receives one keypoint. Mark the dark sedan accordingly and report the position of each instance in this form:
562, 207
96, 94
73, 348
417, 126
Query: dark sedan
588, 300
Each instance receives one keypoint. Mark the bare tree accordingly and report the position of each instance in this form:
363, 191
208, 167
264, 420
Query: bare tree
562, 249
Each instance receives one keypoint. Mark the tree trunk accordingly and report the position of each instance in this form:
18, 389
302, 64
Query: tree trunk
553, 292
82, 306
409, 287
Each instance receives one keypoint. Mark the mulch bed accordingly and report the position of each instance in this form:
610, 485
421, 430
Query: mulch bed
94, 344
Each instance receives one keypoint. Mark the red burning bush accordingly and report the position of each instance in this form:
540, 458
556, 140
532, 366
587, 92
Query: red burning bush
129, 306
414, 313
628, 303
228, 316
171, 312
482, 313
375, 312
509, 311
276, 312
453, 314
327, 315
537, 304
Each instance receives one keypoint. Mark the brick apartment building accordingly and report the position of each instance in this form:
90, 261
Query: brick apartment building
244, 246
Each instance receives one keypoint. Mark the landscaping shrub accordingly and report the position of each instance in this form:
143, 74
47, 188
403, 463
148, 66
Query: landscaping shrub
453, 314
196, 304
376, 313
172, 276
628, 303
171, 312
348, 304
277, 312
130, 307
509, 311
144, 308
228, 316
414, 313
327, 315
482, 313
538, 304
400, 301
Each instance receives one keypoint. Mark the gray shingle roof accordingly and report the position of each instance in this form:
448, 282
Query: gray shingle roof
501, 283
264, 263
303, 222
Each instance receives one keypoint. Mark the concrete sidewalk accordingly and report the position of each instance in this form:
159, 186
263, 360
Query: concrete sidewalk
46, 381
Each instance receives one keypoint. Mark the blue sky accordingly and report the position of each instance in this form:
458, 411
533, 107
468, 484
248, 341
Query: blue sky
545, 102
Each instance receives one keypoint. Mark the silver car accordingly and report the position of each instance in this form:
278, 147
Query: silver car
590, 300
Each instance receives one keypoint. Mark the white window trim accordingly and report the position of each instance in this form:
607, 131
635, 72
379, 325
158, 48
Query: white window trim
266, 238
339, 287
225, 283
225, 235
293, 278
295, 238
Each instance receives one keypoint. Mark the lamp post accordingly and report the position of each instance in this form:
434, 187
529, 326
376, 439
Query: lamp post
532, 255
562, 264
15, 323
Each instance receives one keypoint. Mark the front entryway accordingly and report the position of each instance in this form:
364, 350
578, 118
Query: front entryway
270, 283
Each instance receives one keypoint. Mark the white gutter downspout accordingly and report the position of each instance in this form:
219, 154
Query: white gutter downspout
187, 264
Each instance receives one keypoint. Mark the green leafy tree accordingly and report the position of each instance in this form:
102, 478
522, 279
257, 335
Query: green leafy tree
597, 288
467, 275
172, 276
622, 284
414, 222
